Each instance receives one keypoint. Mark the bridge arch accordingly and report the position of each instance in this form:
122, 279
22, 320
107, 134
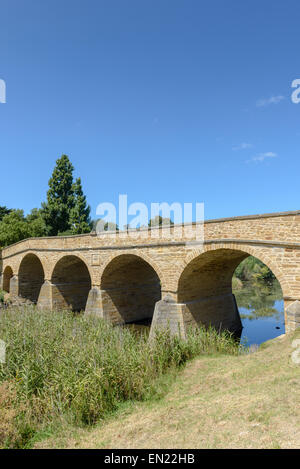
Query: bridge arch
130, 287
30, 277
71, 283
147, 258
205, 284
7, 275
259, 253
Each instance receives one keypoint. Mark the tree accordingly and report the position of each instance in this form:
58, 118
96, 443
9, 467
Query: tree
36, 223
60, 198
252, 268
80, 221
159, 220
108, 226
4, 211
13, 228
65, 212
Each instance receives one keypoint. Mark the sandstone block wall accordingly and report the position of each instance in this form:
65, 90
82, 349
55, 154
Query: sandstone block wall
94, 271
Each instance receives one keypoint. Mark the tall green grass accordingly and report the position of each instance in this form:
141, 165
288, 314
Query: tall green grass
1, 296
80, 368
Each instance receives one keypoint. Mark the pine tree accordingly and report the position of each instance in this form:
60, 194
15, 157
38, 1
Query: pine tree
80, 214
60, 198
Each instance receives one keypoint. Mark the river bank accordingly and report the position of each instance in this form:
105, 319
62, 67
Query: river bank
215, 402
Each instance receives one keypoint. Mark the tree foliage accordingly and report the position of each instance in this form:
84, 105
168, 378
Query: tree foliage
14, 226
4, 211
80, 212
253, 268
36, 223
60, 198
159, 220
65, 212
101, 225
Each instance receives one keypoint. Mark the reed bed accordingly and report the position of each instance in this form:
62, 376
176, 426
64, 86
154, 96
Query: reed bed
77, 368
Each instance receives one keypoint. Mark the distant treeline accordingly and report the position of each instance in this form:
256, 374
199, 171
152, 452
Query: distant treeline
252, 268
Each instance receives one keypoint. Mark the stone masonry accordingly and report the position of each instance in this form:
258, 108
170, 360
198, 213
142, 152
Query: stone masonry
157, 273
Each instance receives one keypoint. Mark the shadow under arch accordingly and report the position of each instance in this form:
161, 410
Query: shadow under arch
205, 288
7, 275
31, 277
130, 287
71, 283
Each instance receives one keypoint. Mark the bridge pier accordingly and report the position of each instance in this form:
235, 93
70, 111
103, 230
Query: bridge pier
54, 296
94, 302
45, 296
292, 315
51, 297
168, 315
220, 312
14, 287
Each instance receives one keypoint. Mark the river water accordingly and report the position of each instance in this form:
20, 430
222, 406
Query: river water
261, 309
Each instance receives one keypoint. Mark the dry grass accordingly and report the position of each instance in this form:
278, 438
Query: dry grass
249, 401
9, 411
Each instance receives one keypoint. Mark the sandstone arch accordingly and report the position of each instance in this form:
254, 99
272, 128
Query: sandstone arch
71, 283
257, 252
7, 275
205, 287
30, 277
130, 287
145, 257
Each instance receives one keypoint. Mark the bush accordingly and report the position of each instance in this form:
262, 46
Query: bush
252, 268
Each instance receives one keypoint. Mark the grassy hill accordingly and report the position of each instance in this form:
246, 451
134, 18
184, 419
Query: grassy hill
248, 401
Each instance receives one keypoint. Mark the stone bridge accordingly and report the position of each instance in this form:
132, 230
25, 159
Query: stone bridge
156, 273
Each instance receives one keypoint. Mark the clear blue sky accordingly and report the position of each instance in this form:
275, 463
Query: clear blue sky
163, 100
